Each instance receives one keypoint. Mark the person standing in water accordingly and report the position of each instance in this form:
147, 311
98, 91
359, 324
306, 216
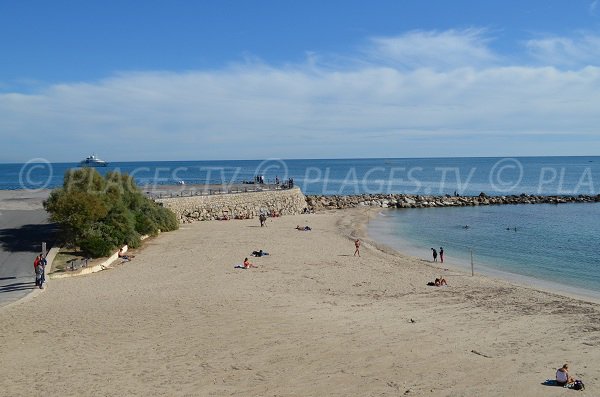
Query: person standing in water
434, 252
441, 254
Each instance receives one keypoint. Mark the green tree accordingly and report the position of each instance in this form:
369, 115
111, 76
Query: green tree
99, 214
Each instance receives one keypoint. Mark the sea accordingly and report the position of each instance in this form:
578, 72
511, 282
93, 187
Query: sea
553, 246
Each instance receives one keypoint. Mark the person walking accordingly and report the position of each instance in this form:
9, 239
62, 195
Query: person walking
434, 252
357, 246
441, 254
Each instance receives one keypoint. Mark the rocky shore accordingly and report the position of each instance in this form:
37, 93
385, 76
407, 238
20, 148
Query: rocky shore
317, 202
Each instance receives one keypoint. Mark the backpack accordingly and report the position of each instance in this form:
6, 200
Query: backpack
578, 385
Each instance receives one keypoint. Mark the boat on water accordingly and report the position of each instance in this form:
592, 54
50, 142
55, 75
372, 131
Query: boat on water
93, 161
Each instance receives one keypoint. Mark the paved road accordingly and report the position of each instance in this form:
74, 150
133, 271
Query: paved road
21, 236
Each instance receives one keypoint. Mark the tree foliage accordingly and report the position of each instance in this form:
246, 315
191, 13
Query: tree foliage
99, 214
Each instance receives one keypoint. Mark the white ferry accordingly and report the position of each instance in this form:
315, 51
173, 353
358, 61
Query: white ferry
93, 161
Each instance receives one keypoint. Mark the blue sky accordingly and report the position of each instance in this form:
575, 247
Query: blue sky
186, 80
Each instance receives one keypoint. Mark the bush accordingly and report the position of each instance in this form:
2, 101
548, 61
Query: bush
96, 246
99, 214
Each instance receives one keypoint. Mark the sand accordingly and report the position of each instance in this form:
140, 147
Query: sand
311, 320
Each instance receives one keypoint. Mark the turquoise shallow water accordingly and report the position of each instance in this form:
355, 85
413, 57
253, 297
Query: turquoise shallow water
552, 243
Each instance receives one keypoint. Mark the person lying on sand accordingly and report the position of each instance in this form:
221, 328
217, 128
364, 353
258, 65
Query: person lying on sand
305, 228
259, 253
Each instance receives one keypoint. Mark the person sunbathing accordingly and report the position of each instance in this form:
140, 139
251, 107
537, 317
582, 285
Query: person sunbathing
248, 265
305, 228
440, 281
125, 257
259, 253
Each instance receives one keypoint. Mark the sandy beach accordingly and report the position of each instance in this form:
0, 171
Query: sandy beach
311, 320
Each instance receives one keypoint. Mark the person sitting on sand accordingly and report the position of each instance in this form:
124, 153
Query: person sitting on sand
125, 257
440, 281
247, 264
563, 377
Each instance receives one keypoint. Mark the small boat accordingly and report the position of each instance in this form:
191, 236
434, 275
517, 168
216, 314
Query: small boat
93, 161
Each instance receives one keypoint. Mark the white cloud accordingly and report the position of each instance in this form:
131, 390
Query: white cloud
441, 50
583, 49
360, 109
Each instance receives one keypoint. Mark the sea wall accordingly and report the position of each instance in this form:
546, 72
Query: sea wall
316, 203
236, 205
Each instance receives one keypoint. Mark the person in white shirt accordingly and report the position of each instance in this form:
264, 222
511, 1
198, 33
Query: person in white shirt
562, 375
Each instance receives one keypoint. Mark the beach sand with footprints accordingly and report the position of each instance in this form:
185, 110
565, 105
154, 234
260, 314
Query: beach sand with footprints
311, 320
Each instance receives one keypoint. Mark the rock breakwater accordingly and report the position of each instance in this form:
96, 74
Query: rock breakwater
316, 202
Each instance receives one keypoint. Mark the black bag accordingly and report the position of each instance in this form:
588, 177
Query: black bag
578, 385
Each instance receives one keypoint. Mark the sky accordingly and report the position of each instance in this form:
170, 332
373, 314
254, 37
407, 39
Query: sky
199, 80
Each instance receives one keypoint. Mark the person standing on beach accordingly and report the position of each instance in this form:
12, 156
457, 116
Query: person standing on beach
43, 263
434, 252
357, 246
441, 254
263, 220
39, 271
36, 263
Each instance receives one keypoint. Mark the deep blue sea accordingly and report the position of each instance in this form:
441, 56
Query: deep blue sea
552, 243
465, 176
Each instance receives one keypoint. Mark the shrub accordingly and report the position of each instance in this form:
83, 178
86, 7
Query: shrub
98, 214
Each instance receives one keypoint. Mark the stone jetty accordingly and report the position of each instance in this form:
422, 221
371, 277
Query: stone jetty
236, 205
318, 202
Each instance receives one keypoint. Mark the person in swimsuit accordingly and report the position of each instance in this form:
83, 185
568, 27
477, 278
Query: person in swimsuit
122, 255
357, 247
441, 255
247, 264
